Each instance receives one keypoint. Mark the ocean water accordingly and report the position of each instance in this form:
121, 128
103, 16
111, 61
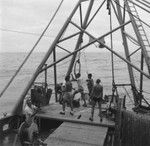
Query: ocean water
99, 64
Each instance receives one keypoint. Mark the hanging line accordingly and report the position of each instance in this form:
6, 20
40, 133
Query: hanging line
25, 60
85, 59
128, 95
112, 56
111, 40
77, 65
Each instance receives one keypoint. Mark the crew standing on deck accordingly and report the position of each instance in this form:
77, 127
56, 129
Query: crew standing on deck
67, 95
90, 84
80, 89
96, 96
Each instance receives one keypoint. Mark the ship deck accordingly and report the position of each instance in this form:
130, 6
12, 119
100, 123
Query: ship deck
72, 134
76, 130
81, 115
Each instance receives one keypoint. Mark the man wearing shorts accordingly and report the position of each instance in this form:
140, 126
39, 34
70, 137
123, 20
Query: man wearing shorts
90, 84
96, 96
80, 89
67, 95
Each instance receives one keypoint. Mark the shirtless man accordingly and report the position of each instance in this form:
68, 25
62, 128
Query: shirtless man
90, 84
96, 96
67, 95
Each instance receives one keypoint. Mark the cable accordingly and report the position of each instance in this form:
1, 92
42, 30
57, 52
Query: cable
75, 67
133, 15
22, 32
138, 5
85, 59
146, 2
143, 3
146, 92
111, 40
10, 81
128, 95
132, 41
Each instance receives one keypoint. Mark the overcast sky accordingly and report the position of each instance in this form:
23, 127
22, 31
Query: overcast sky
32, 16
27, 16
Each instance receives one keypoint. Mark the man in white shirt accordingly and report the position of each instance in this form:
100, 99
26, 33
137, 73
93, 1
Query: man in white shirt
80, 89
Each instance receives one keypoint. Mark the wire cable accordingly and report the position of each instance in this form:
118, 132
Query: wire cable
138, 6
132, 14
12, 78
85, 59
143, 3
22, 32
132, 41
146, 2
128, 95
146, 92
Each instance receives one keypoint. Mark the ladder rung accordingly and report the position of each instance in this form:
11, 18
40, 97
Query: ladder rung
139, 25
131, 5
133, 10
140, 29
142, 34
137, 20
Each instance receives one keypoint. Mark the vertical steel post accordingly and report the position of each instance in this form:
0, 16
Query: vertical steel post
126, 49
45, 78
79, 41
141, 76
55, 73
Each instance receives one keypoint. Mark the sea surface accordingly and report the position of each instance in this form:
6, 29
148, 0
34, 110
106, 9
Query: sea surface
98, 63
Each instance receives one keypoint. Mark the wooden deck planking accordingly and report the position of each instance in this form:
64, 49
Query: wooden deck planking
71, 134
53, 112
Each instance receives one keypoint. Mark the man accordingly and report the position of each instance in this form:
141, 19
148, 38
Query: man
80, 89
28, 131
67, 95
96, 96
28, 108
59, 92
90, 84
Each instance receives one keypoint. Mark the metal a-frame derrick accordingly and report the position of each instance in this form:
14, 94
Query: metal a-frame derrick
82, 30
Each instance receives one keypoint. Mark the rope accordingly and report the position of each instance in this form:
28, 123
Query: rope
22, 32
146, 92
5, 88
75, 67
85, 59
143, 3
111, 40
64, 63
146, 2
79, 64
132, 41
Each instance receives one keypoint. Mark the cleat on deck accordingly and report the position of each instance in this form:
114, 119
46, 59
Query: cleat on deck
91, 119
